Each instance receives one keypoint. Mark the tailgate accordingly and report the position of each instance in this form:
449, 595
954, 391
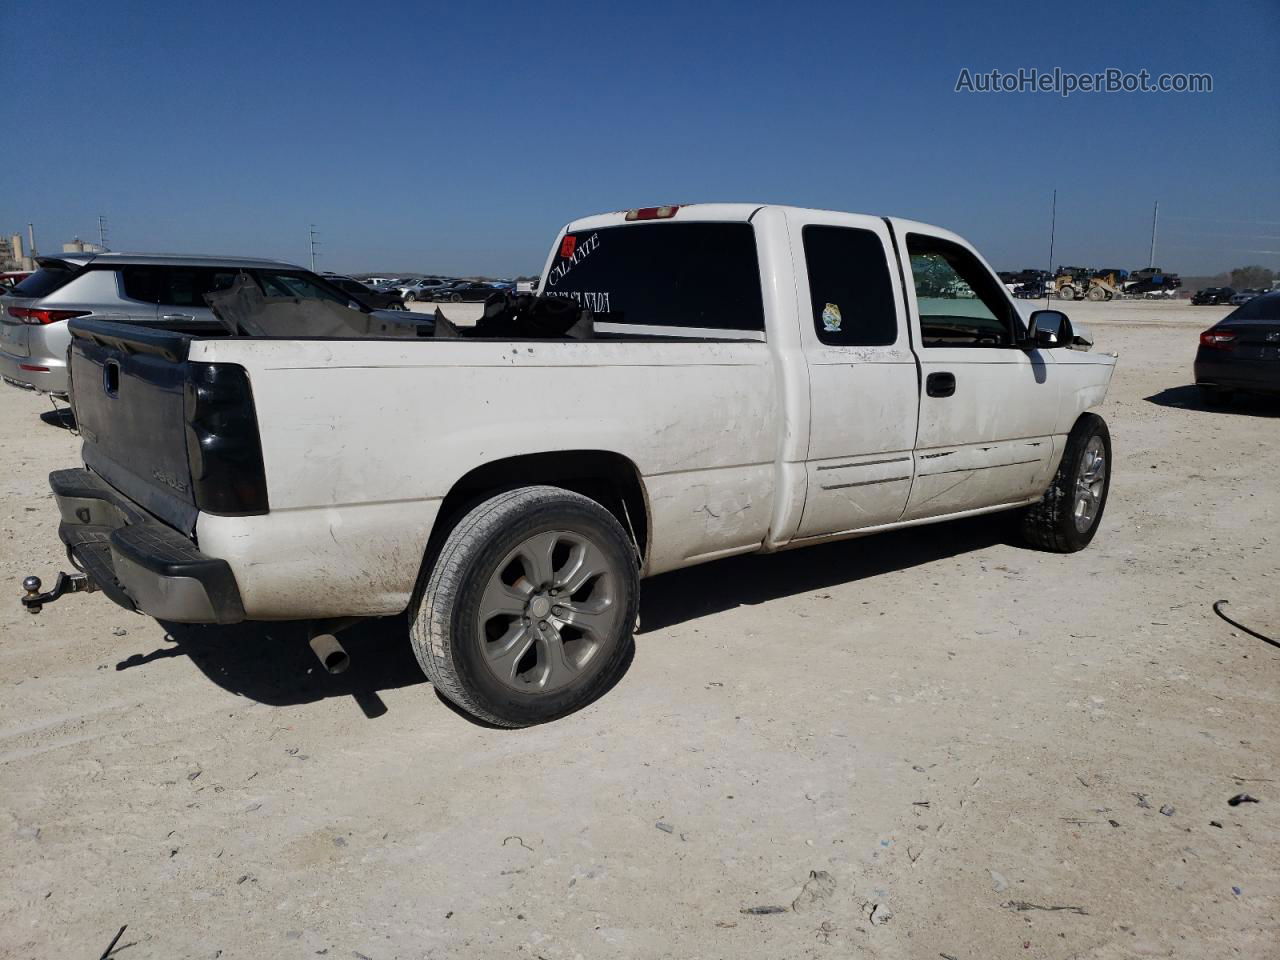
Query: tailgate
13, 332
128, 390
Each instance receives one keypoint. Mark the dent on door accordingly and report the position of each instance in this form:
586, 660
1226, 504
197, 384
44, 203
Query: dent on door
990, 441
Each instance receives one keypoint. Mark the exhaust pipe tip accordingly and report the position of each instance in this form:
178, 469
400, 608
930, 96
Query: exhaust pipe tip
330, 653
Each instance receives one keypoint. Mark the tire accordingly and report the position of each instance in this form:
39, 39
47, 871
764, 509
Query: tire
1053, 523
1096, 294
1067, 293
489, 629
455, 298
1214, 396
410, 298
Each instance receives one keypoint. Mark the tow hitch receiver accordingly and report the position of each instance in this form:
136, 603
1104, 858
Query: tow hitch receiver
34, 601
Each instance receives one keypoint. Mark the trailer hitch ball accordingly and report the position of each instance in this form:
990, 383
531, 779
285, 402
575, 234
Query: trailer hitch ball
32, 587
34, 600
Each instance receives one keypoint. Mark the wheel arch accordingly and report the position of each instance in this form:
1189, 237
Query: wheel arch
609, 478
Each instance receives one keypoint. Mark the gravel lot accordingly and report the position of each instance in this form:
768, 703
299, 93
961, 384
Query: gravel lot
962, 736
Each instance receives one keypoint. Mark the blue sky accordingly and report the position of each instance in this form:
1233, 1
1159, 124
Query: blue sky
458, 137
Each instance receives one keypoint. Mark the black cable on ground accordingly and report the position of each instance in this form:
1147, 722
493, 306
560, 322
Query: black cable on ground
1217, 608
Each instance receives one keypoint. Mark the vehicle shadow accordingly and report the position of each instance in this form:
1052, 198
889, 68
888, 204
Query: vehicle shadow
273, 664
60, 417
1188, 398
674, 598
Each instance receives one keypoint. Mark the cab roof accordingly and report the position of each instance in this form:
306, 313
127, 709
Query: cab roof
723, 212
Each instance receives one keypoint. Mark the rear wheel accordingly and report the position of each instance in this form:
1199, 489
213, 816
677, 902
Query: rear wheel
455, 298
1096, 294
528, 610
1066, 519
1067, 292
410, 297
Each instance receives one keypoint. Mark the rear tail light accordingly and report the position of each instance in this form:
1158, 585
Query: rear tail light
224, 447
34, 316
1217, 340
653, 213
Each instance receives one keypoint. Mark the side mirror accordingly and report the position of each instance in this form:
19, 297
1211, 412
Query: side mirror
1049, 329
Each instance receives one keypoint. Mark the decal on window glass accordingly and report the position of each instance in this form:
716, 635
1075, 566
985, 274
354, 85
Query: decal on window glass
831, 318
596, 302
577, 252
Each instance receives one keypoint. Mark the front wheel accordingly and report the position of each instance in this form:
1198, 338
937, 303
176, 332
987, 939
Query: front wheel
1066, 519
528, 610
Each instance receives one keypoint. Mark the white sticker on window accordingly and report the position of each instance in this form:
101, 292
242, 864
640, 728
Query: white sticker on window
831, 318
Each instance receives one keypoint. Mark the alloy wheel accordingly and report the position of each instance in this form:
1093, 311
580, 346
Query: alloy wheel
548, 611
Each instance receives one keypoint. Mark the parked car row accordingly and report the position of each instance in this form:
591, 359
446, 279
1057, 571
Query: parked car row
438, 289
1210, 296
376, 298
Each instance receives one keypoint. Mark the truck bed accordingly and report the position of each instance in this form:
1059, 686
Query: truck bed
363, 439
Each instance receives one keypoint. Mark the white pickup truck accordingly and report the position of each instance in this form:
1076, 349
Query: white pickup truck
752, 379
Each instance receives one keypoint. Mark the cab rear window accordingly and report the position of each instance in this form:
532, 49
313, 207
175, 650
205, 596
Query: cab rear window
690, 276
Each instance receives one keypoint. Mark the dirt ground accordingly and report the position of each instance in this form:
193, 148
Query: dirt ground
932, 743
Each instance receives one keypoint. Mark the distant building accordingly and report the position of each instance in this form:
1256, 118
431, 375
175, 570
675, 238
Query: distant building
13, 255
81, 246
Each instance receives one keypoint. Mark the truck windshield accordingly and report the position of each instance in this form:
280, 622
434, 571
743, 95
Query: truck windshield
694, 277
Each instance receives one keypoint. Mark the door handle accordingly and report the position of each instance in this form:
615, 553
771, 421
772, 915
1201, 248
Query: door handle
177, 316
940, 384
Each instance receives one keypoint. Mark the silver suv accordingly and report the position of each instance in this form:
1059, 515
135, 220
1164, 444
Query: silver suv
161, 291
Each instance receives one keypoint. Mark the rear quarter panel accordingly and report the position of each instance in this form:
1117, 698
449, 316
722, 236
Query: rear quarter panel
363, 439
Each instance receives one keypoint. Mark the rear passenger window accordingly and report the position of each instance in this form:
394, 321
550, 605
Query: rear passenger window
849, 287
699, 278
142, 283
186, 287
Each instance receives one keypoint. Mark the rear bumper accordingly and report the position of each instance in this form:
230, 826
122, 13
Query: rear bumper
136, 560
43, 374
1261, 376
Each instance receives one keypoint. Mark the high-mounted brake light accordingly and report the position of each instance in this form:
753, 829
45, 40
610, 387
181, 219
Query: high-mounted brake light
568, 245
1216, 339
32, 316
653, 213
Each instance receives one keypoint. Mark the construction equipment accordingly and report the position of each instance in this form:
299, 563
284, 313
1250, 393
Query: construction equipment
1077, 283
